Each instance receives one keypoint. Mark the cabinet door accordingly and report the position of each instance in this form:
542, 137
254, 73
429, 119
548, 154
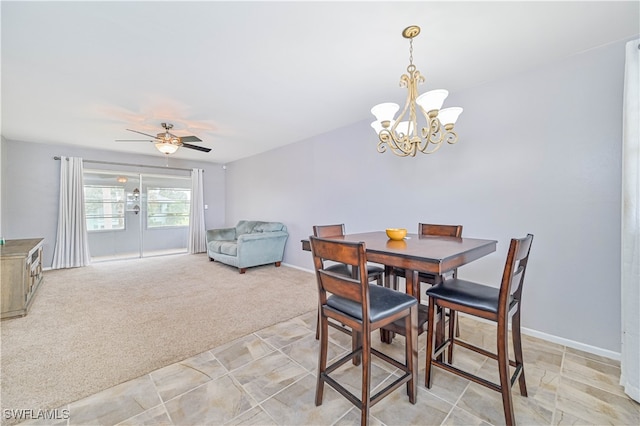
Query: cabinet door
14, 293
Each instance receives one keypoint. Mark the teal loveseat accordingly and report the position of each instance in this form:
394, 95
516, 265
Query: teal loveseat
250, 243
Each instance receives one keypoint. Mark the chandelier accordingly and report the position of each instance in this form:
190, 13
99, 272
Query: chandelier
404, 135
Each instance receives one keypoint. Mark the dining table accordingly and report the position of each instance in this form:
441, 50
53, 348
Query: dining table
417, 253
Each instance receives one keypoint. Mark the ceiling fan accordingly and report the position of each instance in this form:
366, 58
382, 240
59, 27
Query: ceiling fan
168, 143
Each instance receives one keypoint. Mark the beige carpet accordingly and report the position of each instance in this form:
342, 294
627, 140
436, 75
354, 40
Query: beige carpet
94, 327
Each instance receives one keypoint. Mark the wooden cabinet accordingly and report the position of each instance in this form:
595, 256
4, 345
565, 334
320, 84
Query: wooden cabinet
21, 275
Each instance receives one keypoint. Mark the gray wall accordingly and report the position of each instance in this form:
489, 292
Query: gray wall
539, 152
30, 186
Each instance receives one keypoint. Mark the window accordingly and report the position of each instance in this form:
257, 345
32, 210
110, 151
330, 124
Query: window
104, 207
168, 207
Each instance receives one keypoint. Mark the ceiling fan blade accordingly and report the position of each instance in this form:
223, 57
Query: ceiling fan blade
135, 140
196, 147
151, 136
190, 139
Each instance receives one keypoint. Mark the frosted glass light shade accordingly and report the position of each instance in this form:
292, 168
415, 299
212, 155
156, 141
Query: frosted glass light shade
166, 148
449, 115
377, 126
432, 100
385, 112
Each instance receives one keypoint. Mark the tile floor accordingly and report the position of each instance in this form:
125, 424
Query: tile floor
268, 378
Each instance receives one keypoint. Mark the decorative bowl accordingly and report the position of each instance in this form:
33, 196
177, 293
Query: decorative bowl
396, 234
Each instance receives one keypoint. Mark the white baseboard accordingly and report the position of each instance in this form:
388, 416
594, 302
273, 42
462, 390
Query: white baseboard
572, 344
562, 341
311, 271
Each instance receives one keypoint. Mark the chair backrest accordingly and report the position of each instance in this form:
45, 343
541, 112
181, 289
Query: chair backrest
514, 270
326, 231
440, 230
350, 253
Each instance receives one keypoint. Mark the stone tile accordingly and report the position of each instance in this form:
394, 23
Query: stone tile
185, 375
486, 404
594, 373
444, 385
268, 375
458, 417
295, 405
350, 376
242, 351
285, 333
254, 417
115, 404
305, 352
395, 408
591, 405
593, 357
310, 319
152, 417
353, 418
215, 402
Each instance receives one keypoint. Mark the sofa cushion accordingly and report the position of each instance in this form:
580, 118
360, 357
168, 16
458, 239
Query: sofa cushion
229, 248
267, 227
244, 227
216, 246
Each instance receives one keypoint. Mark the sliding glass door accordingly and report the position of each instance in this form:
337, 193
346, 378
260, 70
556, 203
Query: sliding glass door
166, 214
133, 215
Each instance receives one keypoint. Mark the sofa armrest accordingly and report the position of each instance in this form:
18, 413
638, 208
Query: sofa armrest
226, 234
261, 248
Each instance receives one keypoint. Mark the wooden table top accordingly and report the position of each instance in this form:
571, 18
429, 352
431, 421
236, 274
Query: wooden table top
423, 253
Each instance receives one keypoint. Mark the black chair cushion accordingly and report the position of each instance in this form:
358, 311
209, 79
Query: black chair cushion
467, 293
383, 302
343, 269
372, 269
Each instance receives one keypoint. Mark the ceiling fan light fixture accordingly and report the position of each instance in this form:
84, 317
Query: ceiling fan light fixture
166, 147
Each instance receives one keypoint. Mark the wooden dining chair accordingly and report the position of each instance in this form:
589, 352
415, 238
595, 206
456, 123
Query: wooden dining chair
490, 303
375, 273
364, 308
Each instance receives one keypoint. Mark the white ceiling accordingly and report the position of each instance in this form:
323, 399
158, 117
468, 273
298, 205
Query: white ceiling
247, 77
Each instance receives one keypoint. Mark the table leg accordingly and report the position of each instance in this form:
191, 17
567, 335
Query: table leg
386, 335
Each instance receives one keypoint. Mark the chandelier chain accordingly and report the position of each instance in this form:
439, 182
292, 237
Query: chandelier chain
410, 52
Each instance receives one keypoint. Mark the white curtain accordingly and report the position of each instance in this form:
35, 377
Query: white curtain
72, 243
630, 356
197, 231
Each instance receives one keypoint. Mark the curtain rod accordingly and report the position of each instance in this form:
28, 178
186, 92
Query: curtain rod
128, 164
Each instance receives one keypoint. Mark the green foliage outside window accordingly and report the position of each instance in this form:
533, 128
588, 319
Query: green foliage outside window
104, 207
168, 207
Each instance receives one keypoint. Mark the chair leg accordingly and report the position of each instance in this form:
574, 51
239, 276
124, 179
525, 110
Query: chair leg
318, 325
322, 358
517, 349
356, 342
505, 377
366, 377
411, 352
453, 323
430, 335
